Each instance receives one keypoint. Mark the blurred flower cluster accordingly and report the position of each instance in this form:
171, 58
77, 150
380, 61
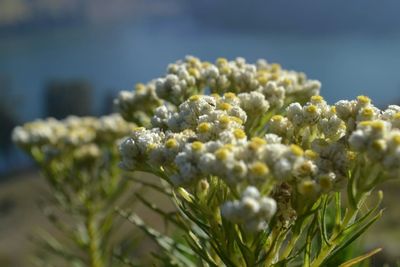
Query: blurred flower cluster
79, 159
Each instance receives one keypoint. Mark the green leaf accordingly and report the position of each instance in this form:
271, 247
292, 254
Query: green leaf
338, 209
351, 234
52, 246
247, 254
361, 258
322, 222
351, 189
176, 250
166, 216
198, 245
151, 185
309, 238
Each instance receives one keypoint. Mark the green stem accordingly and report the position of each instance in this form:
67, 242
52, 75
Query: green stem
277, 238
289, 247
94, 251
327, 249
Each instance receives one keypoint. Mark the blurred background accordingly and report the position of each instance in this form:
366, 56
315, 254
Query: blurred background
60, 57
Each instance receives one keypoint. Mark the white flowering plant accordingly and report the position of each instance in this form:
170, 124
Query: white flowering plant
79, 158
262, 171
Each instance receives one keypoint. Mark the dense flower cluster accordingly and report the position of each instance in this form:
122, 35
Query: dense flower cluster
260, 126
82, 137
269, 86
252, 210
205, 138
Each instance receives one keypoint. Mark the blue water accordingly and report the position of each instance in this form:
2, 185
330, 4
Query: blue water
116, 57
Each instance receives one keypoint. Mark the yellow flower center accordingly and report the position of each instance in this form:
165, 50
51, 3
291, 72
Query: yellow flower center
377, 125
171, 143
224, 120
230, 95
277, 118
204, 127
222, 154
379, 145
263, 80
193, 61
307, 187
256, 143
311, 109
138, 129
275, 67
197, 145
396, 139
259, 168
224, 106
194, 98
296, 150
140, 87
311, 154
194, 72
222, 61
317, 99
225, 69
367, 112
236, 119
239, 133
364, 99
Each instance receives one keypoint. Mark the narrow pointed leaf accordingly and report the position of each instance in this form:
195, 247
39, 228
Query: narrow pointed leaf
361, 258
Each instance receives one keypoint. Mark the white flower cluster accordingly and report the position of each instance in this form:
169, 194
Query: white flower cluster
253, 211
38, 132
200, 140
176, 87
249, 162
261, 129
333, 161
380, 143
392, 115
364, 127
316, 119
208, 114
268, 84
135, 150
355, 111
86, 135
137, 106
268, 79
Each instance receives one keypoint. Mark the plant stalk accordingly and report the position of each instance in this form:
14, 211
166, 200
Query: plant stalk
327, 249
94, 251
